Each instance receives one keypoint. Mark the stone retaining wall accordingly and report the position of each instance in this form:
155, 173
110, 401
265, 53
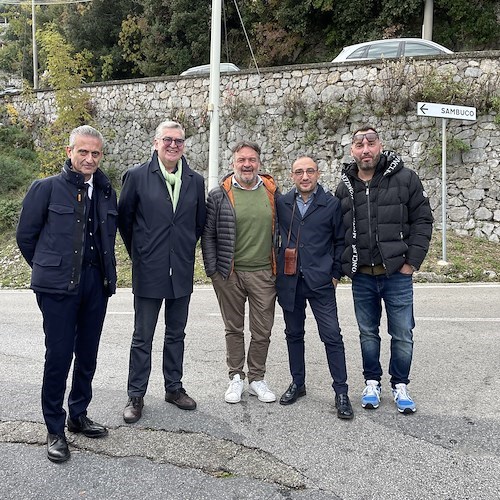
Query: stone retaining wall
313, 109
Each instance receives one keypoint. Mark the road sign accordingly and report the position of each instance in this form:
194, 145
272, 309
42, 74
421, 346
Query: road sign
446, 111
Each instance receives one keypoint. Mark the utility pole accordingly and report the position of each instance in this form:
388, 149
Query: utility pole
428, 20
35, 51
33, 4
213, 96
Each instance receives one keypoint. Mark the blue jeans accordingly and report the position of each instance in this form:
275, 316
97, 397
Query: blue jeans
397, 293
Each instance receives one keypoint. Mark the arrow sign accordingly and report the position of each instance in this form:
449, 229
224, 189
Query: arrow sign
446, 111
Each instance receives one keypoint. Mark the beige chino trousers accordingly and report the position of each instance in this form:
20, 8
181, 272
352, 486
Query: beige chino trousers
259, 288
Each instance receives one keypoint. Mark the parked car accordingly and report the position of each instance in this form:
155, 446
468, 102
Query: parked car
10, 90
205, 69
393, 47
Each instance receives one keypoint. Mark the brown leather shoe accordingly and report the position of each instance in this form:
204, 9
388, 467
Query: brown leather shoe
133, 411
180, 399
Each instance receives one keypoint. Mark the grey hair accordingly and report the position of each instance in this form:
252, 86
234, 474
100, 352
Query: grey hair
168, 124
246, 144
84, 130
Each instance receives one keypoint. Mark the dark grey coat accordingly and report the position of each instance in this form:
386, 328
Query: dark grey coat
161, 242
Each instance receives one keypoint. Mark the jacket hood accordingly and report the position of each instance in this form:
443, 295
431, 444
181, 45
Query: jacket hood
389, 163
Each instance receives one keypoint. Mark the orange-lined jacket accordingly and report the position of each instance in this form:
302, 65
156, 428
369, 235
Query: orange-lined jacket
219, 235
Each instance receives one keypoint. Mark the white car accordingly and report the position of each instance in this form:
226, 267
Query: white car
205, 69
393, 47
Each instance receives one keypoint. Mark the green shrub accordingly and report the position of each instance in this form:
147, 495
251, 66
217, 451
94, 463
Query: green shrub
15, 174
9, 213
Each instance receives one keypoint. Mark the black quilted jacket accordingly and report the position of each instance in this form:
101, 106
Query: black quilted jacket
388, 220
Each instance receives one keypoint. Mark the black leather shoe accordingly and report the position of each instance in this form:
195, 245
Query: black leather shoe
133, 411
292, 394
180, 399
344, 408
85, 426
57, 448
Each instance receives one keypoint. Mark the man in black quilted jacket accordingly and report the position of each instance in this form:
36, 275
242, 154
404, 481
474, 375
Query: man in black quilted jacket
388, 223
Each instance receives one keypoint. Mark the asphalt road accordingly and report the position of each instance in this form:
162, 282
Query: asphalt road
449, 449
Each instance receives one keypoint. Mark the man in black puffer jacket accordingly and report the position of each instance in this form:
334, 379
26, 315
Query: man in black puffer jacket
388, 223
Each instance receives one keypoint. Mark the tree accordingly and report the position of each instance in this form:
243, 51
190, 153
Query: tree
95, 27
66, 70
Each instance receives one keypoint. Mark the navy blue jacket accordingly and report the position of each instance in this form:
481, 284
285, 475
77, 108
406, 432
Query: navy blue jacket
321, 243
161, 242
51, 229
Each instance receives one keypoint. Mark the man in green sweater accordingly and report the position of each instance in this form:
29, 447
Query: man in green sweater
238, 253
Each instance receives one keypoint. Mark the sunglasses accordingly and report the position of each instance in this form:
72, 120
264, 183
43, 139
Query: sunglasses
370, 137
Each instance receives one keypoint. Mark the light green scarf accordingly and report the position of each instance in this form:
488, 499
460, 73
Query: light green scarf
173, 180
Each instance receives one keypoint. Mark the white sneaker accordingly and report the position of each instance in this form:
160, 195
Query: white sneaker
370, 398
234, 391
403, 400
259, 388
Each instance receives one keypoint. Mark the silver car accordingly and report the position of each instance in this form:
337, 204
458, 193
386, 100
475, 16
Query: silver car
205, 69
390, 48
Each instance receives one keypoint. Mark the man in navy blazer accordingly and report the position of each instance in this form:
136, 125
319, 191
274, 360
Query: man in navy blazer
309, 268
161, 214
66, 233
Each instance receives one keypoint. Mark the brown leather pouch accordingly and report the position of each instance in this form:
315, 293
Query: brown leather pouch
290, 261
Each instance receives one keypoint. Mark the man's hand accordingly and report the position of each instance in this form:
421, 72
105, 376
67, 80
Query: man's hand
407, 269
335, 282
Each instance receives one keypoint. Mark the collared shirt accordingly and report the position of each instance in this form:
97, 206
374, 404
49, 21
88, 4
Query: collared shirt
90, 183
239, 186
304, 205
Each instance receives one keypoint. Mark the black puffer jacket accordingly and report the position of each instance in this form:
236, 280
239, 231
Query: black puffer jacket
219, 235
388, 220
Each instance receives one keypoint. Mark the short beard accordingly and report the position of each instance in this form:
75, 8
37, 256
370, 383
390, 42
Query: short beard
248, 183
373, 164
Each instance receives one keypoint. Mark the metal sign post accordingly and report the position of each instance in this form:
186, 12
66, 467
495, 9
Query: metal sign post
445, 111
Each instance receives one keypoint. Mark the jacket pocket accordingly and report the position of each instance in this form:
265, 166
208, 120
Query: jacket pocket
61, 219
49, 271
47, 259
112, 220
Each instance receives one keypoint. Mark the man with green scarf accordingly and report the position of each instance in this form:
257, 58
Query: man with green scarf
161, 214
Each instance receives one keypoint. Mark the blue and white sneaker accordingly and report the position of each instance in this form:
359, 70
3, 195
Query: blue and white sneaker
370, 399
403, 400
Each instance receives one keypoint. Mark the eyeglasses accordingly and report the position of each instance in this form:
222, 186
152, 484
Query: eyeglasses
169, 140
370, 137
309, 171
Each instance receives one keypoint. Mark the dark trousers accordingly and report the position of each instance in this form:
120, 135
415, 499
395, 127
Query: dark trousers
146, 317
324, 308
72, 326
